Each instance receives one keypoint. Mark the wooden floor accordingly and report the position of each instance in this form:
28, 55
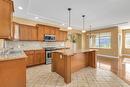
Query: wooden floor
121, 66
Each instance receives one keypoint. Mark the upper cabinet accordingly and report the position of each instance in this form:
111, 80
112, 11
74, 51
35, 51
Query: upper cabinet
62, 35
28, 32
44, 29
24, 32
32, 33
40, 29
6, 10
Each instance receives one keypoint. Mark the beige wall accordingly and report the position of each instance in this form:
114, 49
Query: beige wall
114, 41
79, 41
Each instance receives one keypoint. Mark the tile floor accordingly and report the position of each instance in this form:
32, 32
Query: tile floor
41, 76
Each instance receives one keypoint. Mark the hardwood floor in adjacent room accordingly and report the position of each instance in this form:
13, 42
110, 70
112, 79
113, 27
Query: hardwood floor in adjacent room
41, 76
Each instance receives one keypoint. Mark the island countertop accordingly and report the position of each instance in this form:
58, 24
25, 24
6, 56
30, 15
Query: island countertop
70, 52
67, 61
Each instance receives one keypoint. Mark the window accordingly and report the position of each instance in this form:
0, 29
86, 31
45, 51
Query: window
94, 41
105, 40
127, 40
101, 40
97, 41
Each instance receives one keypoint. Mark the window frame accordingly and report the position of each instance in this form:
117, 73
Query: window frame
125, 40
99, 34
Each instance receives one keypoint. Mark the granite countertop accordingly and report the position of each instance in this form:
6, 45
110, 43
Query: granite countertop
70, 52
32, 49
13, 56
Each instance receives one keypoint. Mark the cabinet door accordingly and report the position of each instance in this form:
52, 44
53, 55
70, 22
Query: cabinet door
65, 35
52, 30
33, 32
30, 58
5, 19
42, 59
47, 30
61, 35
28, 32
39, 57
24, 32
41, 32
57, 33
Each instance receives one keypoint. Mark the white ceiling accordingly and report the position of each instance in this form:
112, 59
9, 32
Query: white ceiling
99, 13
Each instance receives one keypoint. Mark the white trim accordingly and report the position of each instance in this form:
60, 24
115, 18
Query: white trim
107, 56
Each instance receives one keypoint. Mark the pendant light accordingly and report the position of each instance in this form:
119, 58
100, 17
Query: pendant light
83, 31
69, 25
90, 34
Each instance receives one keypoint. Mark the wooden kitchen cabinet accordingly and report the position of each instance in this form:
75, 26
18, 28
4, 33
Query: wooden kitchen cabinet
57, 33
41, 33
35, 57
30, 58
13, 73
49, 30
28, 32
53, 30
33, 33
39, 57
6, 10
62, 35
24, 32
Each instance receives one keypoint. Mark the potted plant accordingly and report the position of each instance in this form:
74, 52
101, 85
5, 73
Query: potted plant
73, 40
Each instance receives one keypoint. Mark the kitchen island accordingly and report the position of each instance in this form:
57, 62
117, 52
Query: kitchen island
13, 69
65, 62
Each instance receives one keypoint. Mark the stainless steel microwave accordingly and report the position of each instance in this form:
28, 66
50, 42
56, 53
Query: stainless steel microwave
49, 38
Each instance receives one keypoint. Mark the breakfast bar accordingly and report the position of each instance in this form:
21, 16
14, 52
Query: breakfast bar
66, 61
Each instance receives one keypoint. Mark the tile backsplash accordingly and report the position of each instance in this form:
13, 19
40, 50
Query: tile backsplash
1, 43
32, 45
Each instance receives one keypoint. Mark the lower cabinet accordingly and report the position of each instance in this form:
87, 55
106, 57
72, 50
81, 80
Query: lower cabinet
39, 57
30, 58
35, 57
13, 73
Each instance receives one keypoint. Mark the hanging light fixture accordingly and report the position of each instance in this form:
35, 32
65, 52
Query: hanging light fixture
69, 25
90, 34
83, 31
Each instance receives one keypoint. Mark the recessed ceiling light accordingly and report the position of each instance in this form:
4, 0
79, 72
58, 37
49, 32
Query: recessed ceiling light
36, 17
20, 8
63, 24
